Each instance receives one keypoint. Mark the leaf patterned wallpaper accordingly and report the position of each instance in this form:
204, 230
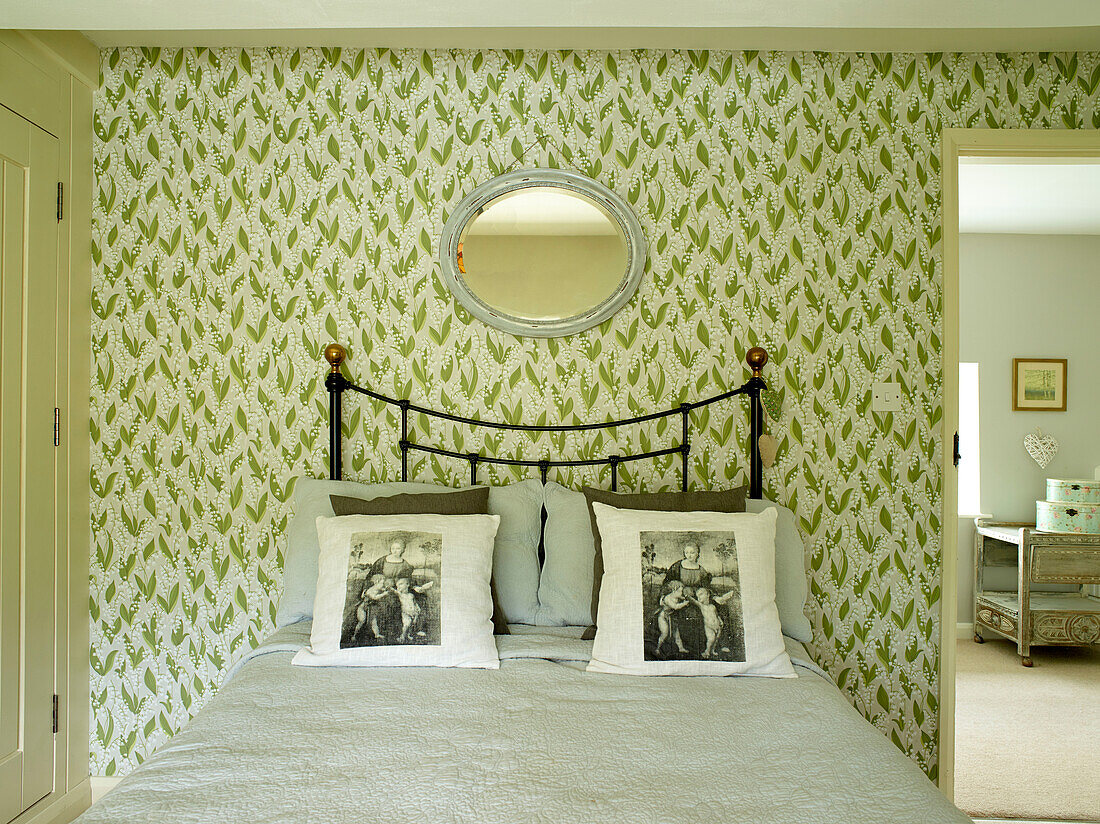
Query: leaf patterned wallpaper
253, 205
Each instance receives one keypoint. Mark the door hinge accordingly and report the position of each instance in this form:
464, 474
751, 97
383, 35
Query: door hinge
60, 201
56, 724
956, 457
56, 426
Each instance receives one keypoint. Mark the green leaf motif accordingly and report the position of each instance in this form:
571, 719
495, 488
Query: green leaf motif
252, 205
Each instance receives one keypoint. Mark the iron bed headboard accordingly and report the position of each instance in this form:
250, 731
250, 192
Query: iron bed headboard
337, 384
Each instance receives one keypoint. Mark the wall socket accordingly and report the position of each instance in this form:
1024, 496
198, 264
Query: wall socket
885, 397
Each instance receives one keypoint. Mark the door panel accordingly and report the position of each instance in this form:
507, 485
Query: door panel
28, 392
14, 160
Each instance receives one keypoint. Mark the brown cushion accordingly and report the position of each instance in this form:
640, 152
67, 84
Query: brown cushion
719, 500
473, 501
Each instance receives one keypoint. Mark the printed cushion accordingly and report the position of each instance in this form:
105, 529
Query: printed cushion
688, 593
403, 590
472, 501
515, 560
569, 588
719, 500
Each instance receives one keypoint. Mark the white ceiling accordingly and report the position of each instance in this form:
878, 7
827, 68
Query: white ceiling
1003, 195
866, 25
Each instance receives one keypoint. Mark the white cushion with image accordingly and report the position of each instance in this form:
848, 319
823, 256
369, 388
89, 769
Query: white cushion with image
688, 593
403, 590
515, 563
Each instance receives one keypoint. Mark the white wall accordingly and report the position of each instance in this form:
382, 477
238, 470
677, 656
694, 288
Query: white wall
1028, 296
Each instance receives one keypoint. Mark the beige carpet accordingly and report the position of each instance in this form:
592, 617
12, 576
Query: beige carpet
1027, 741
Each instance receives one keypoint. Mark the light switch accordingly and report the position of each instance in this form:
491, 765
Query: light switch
885, 397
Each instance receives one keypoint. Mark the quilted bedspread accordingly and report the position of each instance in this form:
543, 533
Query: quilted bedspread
538, 740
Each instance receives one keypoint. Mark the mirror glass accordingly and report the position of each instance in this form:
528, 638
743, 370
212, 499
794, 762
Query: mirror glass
573, 253
543, 253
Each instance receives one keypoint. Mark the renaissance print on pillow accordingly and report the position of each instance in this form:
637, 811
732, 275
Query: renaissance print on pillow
688, 593
392, 596
403, 590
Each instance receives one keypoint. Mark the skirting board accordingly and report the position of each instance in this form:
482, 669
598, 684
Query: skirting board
962, 632
1023, 821
103, 784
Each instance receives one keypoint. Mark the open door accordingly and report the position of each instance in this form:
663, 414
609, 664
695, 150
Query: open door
28, 392
981, 143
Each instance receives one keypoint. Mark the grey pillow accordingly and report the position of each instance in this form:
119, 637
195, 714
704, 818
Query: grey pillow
565, 587
791, 586
473, 501
515, 556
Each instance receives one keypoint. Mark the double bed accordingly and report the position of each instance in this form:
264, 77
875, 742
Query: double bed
538, 740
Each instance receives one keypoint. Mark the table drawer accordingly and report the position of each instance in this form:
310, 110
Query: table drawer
995, 618
1065, 564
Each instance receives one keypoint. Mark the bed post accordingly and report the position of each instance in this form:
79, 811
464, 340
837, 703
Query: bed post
756, 358
334, 383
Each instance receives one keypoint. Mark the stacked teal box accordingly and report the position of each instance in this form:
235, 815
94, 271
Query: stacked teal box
1072, 505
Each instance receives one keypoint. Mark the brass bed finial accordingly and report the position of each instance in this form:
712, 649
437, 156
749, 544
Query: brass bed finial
335, 354
756, 358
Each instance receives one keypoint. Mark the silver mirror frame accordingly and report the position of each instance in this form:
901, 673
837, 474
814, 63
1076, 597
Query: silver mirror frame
618, 208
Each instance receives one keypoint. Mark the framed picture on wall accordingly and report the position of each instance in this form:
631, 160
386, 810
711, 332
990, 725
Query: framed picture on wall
1039, 384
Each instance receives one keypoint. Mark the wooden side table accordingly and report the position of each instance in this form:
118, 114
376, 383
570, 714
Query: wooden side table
1040, 618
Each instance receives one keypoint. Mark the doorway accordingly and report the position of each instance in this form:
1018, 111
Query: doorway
977, 148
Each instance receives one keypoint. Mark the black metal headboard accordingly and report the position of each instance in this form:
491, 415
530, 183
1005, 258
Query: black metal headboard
337, 384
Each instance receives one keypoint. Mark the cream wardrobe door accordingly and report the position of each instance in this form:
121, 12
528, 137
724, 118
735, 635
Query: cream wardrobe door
28, 392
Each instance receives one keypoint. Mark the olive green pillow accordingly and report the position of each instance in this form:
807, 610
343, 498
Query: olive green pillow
719, 500
473, 501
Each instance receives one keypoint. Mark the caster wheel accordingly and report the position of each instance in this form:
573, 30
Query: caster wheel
1026, 661
978, 639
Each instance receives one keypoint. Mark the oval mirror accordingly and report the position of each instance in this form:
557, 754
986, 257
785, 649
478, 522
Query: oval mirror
542, 252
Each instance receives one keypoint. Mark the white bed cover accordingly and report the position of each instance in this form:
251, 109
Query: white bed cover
538, 741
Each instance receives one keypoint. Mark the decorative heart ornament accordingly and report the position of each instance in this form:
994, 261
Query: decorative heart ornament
772, 403
768, 447
1042, 448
